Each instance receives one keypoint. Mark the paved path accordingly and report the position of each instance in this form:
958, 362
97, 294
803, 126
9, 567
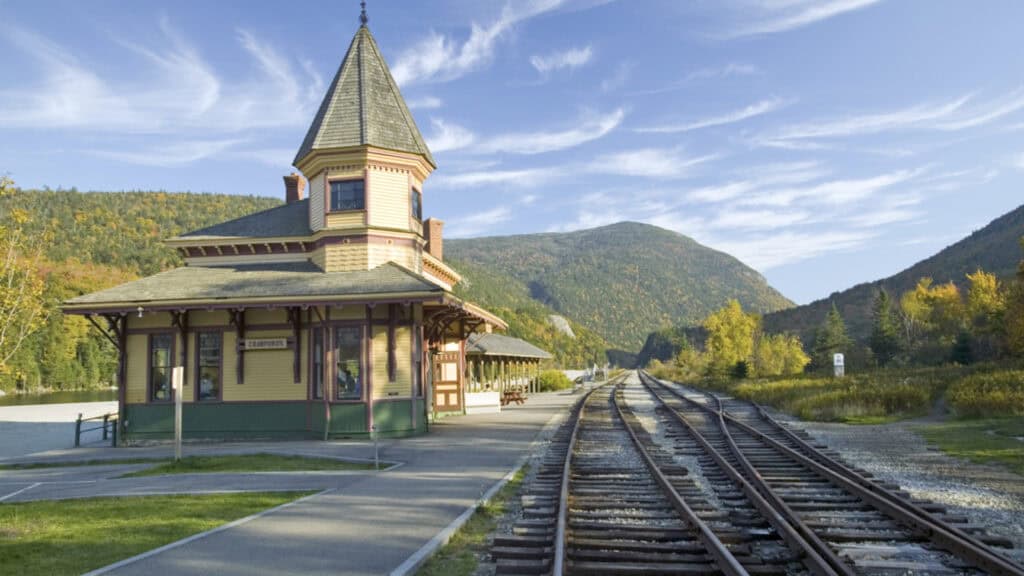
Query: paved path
25, 430
368, 523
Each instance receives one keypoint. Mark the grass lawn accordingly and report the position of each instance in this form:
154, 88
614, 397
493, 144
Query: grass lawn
989, 440
250, 463
459, 556
76, 536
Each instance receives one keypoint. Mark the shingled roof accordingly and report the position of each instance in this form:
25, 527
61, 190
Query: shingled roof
498, 345
285, 221
363, 106
298, 280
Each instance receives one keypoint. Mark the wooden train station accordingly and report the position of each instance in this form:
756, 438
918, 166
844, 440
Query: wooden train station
331, 315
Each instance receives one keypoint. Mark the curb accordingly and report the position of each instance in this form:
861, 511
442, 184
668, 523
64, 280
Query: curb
413, 562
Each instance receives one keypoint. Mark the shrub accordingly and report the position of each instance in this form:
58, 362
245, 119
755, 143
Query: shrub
988, 394
551, 380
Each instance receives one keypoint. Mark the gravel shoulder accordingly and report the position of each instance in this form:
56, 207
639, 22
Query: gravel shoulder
989, 495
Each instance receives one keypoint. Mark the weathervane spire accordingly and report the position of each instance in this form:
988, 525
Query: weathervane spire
362, 16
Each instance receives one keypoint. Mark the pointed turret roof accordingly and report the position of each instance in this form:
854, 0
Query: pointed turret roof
363, 106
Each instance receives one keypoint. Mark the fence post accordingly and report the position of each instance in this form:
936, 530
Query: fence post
106, 418
78, 430
113, 431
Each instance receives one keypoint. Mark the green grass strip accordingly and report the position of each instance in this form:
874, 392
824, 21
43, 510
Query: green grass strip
71, 463
460, 556
991, 441
250, 463
76, 536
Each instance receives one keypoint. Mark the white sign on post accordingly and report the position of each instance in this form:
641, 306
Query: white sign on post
177, 379
838, 362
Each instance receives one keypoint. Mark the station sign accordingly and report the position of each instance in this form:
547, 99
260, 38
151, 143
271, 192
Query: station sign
265, 344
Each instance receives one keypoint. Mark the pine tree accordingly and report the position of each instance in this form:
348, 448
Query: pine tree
831, 338
885, 332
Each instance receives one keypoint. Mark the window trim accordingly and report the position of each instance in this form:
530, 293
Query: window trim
220, 368
363, 364
330, 203
412, 213
149, 366
315, 329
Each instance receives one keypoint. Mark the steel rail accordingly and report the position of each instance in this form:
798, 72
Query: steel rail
817, 556
949, 538
563, 498
728, 563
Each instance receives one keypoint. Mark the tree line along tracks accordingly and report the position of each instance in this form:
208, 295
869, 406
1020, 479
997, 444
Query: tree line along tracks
649, 478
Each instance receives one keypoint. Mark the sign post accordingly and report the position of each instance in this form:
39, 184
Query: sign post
177, 377
838, 363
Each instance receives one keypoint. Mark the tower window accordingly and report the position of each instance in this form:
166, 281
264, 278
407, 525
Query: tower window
416, 199
348, 195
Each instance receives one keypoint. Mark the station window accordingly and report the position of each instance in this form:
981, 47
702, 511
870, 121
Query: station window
348, 195
416, 199
318, 364
208, 349
348, 354
160, 354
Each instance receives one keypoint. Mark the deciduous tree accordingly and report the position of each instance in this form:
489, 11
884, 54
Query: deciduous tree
22, 305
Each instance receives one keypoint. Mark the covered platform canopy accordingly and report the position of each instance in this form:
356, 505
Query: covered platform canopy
499, 363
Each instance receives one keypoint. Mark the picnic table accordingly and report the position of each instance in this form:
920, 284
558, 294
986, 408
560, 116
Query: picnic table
515, 394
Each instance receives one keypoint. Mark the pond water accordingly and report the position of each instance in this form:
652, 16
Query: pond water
62, 397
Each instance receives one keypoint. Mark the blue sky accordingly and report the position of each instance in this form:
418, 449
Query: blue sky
823, 142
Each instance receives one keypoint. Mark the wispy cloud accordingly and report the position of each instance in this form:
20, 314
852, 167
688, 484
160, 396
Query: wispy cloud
175, 154
776, 16
961, 113
440, 58
525, 178
1018, 162
591, 127
477, 223
424, 103
758, 219
752, 111
834, 192
648, 163
570, 59
771, 250
448, 136
618, 78
727, 71
176, 92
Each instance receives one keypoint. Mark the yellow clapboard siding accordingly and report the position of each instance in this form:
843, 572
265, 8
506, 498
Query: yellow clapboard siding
316, 203
138, 354
268, 373
348, 313
383, 253
389, 198
382, 387
346, 257
255, 316
352, 219
319, 258
198, 319
150, 320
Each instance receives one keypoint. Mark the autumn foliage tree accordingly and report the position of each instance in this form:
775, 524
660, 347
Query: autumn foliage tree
22, 303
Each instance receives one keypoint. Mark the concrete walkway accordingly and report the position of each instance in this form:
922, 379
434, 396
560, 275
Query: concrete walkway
367, 523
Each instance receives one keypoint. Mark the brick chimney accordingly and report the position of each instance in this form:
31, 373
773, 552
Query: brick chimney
432, 230
294, 186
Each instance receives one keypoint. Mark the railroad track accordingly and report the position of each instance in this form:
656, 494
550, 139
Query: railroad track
868, 527
655, 479
610, 499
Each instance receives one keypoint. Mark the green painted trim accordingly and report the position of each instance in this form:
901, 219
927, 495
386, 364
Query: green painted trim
284, 420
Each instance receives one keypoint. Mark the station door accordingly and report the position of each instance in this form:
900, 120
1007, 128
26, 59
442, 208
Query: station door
447, 383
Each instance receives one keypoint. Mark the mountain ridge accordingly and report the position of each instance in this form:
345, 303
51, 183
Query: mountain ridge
622, 279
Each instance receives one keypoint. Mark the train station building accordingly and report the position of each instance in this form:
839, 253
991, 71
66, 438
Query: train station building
329, 316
